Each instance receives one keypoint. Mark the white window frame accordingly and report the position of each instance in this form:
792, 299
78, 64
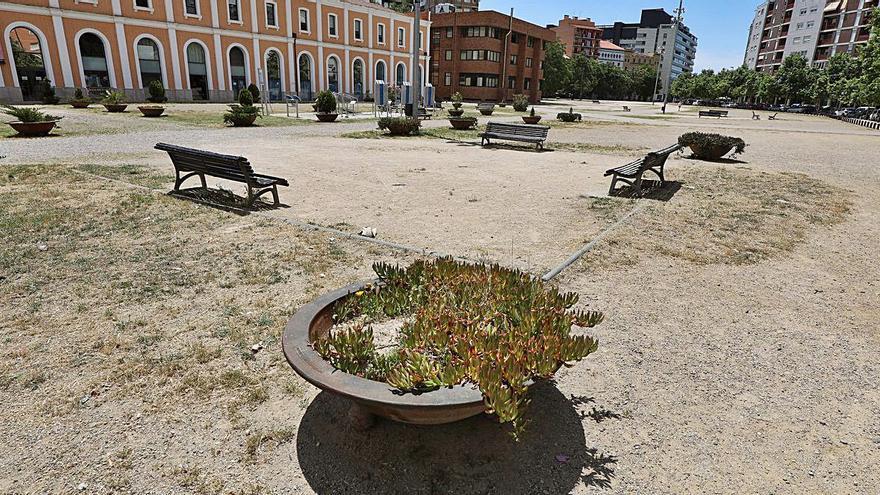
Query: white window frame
358, 30
90, 2
401, 37
266, 13
308, 21
380, 34
138, 8
198, 14
335, 25
229, 18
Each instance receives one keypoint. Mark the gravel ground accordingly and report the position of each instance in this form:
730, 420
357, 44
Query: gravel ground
710, 378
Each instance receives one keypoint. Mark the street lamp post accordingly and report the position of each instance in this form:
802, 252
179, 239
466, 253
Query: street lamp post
416, 50
657, 79
668, 80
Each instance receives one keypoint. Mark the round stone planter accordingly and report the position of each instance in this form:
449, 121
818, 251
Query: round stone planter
313, 321
486, 112
152, 111
709, 152
455, 112
115, 107
327, 117
244, 120
528, 119
80, 104
463, 123
33, 129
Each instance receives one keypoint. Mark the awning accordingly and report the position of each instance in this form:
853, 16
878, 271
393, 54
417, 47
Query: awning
833, 6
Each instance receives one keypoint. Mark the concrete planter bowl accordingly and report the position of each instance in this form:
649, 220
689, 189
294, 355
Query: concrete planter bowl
327, 117
152, 110
33, 129
115, 107
80, 103
369, 398
710, 153
529, 119
462, 123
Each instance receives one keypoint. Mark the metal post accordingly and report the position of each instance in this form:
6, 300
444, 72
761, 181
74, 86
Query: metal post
657, 79
674, 42
416, 50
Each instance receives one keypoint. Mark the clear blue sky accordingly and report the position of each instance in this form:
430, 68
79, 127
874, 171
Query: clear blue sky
721, 26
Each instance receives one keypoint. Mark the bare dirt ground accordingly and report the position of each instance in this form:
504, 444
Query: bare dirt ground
139, 333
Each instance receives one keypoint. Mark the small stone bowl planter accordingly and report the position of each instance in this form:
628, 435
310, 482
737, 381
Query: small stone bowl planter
463, 123
327, 117
152, 110
115, 107
531, 119
486, 109
80, 103
33, 129
369, 398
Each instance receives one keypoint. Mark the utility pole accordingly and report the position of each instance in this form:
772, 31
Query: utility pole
668, 80
657, 79
416, 51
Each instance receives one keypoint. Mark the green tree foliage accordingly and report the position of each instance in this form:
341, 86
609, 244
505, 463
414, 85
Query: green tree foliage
795, 78
557, 70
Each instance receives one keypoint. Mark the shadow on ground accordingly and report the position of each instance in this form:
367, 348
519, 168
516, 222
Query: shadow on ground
651, 189
474, 456
224, 199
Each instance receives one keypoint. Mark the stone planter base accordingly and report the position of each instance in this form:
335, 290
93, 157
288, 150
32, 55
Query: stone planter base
463, 124
33, 129
115, 107
531, 120
80, 104
151, 111
327, 117
710, 152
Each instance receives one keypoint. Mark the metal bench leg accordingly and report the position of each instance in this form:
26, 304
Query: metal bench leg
613, 183
275, 195
637, 186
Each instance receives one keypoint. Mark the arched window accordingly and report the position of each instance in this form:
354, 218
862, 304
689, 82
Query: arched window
333, 74
273, 76
27, 54
380, 70
149, 62
305, 77
401, 74
357, 72
196, 63
94, 61
237, 70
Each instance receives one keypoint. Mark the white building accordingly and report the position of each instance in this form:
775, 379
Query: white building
611, 54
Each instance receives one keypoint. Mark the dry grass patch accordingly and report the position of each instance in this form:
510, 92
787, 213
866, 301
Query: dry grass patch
722, 215
118, 300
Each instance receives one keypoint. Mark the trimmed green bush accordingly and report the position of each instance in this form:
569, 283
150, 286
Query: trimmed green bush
255, 92
399, 126
47, 92
245, 113
520, 103
325, 102
157, 92
708, 146
569, 116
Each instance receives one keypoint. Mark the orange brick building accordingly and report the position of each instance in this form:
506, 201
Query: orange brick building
202, 49
579, 36
487, 56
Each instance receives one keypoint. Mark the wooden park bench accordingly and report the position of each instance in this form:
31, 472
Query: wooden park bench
631, 173
526, 133
772, 117
756, 116
597, 101
192, 162
627, 109
713, 113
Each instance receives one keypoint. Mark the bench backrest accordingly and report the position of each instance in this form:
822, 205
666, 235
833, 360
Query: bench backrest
525, 130
223, 166
657, 158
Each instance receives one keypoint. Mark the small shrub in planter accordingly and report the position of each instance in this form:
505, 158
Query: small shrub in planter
325, 106
157, 92
520, 103
456, 99
79, 100
30, 121
114, 101
244, 114
531, 118
486, 108
255, 92
399, 126
48, 93
569, 116
711, 146
486, 326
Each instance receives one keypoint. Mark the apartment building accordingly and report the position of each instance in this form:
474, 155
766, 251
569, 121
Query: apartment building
487, 56
579, 36
633, 60
203, 49
611, 54
656, 33
814, 29
439, 6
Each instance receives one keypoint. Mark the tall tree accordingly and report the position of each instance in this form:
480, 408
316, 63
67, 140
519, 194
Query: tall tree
794, 78
584, 75
557, 69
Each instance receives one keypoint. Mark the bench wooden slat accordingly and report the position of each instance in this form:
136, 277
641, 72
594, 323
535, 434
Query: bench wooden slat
526, 133
632, 172
194, 162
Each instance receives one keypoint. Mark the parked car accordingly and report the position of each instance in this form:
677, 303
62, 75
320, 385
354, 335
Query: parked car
875, 116
849, 112
863, 112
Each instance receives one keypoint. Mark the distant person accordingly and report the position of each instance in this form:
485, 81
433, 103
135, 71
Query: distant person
664, 108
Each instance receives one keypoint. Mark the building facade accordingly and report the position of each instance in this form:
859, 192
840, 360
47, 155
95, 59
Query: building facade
814, 29
611, 54
203, 49
632, 59
487, 56
657, 33
579, 36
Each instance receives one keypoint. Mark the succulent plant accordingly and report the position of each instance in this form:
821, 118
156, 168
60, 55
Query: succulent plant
487, 325
520, 103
